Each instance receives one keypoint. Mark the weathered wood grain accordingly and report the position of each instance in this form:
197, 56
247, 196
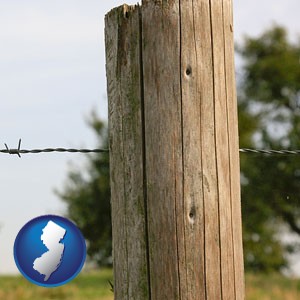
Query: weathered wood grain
234, 150
162, 99
205, 85
222, 149
174, 151
126, 153
200, 175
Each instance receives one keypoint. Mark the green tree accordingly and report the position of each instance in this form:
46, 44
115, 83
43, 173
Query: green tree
87, 195
269, 118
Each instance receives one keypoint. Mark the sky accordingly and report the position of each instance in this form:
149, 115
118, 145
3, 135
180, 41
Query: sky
52, 75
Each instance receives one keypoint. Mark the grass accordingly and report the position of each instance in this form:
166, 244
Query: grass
94, 285
271, 287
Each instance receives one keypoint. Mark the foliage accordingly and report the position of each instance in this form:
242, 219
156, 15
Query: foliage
87, 194
269, 118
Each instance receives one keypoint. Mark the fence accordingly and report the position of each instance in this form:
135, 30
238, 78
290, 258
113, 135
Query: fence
174, 151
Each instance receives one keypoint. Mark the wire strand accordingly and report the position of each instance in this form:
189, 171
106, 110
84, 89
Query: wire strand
270, 151
72, 150
19, 151
48, 150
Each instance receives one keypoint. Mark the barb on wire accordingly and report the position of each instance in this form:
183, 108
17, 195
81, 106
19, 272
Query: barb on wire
14, 151
20, 151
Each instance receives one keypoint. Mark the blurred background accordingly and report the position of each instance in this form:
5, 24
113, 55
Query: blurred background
53, 94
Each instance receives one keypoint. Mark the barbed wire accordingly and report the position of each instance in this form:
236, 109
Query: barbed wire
18, 151
270, 151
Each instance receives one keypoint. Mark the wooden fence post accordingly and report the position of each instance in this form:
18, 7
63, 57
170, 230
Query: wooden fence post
174, 157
